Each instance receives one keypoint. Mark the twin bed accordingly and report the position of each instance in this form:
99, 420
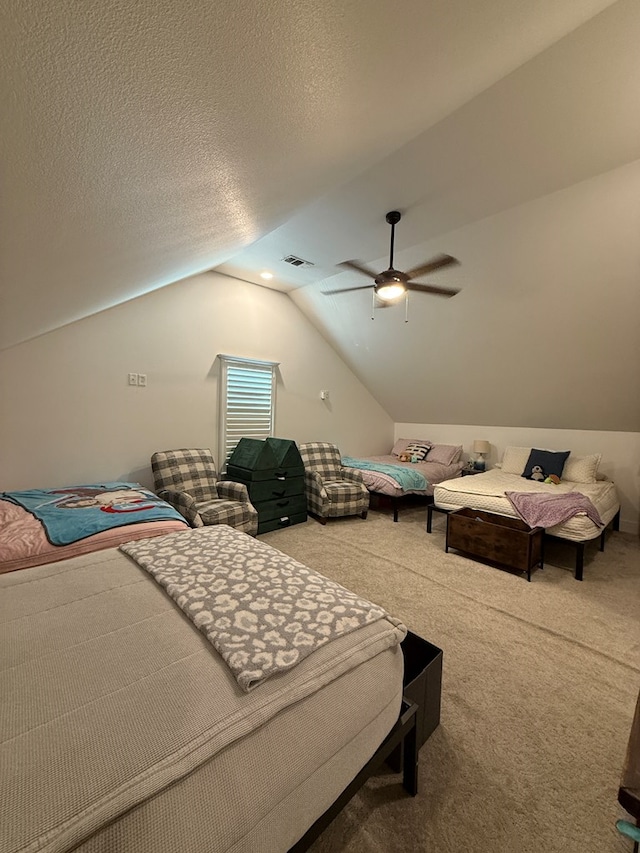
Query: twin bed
395, 477
580, 478
130, 730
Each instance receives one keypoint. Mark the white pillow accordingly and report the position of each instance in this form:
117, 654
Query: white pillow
515, 459
581, 469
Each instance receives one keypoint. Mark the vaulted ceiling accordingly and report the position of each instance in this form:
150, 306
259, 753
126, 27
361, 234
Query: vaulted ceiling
144, 142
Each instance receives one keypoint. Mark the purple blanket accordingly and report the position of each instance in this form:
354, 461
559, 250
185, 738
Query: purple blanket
539, 510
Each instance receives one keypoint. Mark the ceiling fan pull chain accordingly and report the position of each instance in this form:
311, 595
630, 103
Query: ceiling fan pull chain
373, 304
406, 306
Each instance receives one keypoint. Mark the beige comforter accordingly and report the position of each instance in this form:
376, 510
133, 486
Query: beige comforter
109, 695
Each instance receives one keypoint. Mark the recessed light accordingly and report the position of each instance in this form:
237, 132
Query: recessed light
266, 275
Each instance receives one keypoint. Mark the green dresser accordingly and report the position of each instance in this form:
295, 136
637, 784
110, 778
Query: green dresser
273, 472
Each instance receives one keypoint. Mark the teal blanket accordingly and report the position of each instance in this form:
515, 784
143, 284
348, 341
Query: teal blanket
76, 512
404, 477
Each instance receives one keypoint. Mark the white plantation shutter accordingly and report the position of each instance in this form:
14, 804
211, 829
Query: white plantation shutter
247, 402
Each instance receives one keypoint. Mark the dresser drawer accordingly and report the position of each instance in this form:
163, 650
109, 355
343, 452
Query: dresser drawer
293, 505
267, 490
245, 475
283, 521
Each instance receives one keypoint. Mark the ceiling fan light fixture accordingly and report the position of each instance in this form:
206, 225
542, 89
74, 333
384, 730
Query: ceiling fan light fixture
392, 284
391, 291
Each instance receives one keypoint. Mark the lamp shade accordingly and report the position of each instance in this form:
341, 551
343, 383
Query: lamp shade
481, 446
390, 290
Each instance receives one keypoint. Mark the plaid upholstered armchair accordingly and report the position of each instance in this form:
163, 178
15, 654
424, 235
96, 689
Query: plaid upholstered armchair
187, 480
332, 490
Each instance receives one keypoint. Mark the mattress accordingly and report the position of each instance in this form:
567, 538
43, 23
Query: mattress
23, 542
384, 484
487, 492
127, 732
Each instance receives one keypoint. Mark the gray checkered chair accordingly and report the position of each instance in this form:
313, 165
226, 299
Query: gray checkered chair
332, 490
187, 480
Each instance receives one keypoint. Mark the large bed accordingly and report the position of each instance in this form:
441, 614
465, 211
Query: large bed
394, 476
128, 732
488, 491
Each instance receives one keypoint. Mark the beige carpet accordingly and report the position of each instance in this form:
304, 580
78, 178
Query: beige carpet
540, 683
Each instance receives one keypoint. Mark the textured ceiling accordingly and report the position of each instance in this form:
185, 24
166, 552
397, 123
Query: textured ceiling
569, 113
143, 142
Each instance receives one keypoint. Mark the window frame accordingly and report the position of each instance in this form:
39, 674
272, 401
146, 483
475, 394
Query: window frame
232, 364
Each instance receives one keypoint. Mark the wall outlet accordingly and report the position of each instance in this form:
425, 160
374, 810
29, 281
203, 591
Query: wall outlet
142, 380
133, 378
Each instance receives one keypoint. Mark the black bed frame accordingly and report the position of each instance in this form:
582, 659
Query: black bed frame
378, 501
615, 525
419, 717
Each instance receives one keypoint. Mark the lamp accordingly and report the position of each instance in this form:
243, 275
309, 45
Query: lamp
481, 448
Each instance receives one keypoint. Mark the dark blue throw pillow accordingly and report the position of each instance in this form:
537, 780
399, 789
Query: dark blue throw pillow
542, 463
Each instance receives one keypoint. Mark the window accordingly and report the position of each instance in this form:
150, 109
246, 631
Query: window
247, 402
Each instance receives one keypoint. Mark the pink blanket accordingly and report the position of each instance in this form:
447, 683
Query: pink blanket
540, 510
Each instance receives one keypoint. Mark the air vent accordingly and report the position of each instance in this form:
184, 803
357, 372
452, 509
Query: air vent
296, 262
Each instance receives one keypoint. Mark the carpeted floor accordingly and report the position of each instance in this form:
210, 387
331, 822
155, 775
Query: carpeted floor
539, 687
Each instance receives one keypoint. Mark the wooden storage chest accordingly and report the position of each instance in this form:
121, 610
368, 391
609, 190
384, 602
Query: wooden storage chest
497, 538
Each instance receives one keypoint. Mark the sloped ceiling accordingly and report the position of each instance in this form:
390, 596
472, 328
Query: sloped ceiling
144, 142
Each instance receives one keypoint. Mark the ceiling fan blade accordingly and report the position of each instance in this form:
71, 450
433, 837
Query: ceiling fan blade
347, 289
430, 288
358, 267
434, 264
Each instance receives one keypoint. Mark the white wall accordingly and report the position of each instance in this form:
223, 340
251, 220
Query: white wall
620, 452
67, 414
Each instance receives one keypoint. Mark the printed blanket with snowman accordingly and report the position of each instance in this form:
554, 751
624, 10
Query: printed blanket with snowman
75, 512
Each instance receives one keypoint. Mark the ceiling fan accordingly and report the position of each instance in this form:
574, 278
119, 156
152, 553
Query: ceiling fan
392, 284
